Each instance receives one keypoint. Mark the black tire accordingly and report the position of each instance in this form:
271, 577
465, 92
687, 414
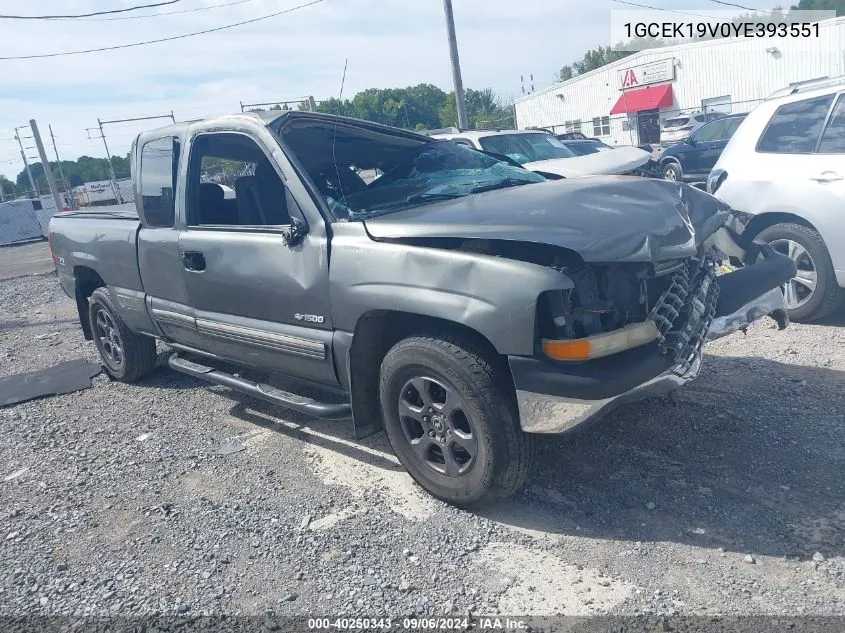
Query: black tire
673, 169
137, 353
503, 453
825, 298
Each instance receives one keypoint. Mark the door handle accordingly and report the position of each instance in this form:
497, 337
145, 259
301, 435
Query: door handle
826, 176
193, 261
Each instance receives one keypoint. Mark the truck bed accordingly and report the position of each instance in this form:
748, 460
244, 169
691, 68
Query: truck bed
93, 240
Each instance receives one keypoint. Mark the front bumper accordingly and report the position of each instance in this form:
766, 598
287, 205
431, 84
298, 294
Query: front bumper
769, 304
554, 397
546, 413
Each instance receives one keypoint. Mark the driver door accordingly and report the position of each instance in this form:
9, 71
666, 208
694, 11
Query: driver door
708, 142
258, 300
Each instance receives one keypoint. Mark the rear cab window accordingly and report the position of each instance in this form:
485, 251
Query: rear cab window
159, 165
795, 127
677, 122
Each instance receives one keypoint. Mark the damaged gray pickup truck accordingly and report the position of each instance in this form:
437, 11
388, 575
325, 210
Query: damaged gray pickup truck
443, 294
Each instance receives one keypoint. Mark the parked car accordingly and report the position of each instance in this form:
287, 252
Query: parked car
584, 147
572, 136
543, 153
458, 302
680, 127
692, 159
785, 167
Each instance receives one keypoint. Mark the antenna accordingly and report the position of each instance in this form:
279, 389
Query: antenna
334, 136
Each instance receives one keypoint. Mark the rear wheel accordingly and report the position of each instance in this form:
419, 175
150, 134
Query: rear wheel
452, 421
126, 356
813, 292
672, 171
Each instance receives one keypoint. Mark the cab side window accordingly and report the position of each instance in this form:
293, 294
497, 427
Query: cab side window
715, 131
159, 161
231, 182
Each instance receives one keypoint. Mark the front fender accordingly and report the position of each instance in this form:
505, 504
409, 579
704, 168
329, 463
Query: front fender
495, 296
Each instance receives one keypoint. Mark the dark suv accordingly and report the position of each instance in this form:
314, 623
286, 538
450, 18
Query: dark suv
693, 158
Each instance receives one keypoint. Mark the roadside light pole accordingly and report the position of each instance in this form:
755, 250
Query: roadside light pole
460, 101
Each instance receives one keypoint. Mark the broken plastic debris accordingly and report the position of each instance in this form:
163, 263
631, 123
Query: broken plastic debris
15, 474
229, 447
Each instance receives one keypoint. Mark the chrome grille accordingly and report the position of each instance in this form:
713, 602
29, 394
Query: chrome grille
684, 311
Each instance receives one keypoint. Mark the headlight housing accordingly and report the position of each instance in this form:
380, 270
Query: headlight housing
600, 345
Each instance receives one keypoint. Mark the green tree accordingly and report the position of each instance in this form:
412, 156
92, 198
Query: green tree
484, 109
821, 5
6, 185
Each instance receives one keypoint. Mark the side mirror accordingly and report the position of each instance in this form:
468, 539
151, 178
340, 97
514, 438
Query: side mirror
297, 231
691, 140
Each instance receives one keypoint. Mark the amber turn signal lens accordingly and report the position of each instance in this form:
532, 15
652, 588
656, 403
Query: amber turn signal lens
578, 349
604, 344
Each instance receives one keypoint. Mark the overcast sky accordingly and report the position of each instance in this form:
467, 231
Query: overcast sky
388, 43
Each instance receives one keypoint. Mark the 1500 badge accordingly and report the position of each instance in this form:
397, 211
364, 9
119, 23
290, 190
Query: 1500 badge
309, 318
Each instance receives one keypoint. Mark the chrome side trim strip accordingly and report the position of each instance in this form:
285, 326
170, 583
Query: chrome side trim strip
174, 318
263, 338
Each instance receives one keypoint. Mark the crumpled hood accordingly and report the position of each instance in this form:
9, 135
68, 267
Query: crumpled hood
616, 161
603, 219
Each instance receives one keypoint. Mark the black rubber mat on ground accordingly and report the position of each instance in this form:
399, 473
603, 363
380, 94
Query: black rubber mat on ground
67, 377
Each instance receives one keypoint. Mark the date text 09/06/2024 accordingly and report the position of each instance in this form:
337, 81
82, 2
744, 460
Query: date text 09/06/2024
418, 624
673, 30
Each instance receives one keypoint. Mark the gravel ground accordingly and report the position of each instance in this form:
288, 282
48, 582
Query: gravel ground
117, 499
25, 259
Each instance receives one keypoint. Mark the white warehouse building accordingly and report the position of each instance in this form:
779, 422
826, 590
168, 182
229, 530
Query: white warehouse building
625, 102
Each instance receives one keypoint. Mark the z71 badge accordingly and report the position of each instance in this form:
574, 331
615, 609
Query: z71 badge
309, 318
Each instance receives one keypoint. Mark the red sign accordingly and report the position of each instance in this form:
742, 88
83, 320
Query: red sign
629, 79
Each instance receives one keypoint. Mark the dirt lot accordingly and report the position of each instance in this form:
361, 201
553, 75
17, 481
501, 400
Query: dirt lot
117, 499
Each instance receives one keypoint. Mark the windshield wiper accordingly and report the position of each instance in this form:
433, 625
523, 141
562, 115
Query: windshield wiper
509, 182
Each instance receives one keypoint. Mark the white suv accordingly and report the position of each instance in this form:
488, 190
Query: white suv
785, 166
678, 128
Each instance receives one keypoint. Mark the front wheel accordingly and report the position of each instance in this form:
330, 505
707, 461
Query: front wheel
813, 292
672, 171
451, 418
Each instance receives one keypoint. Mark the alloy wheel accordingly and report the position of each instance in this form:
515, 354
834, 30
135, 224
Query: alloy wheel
670, 174
798, 290
435, 424
109, 337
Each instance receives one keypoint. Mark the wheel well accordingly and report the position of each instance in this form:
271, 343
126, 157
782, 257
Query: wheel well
375, 333
87, 281
765, 220
669, 159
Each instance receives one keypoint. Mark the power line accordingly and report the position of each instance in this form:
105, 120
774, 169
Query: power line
162, 13
86, 15
738, 6
165, 39
645, 6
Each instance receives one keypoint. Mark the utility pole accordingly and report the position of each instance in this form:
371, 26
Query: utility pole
26, 163
460, 101
65, 182
45, 164
118, 198
117, 195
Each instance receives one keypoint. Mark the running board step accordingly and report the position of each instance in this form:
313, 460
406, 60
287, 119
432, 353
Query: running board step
323, 410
